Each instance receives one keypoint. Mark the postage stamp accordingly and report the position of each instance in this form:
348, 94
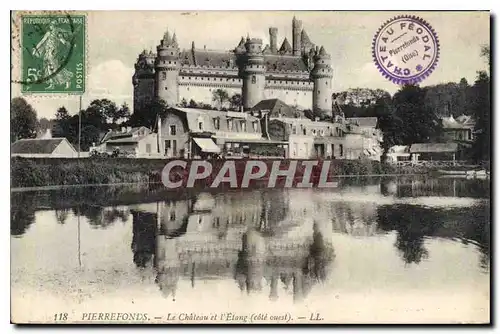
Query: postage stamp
406, 49
53, 53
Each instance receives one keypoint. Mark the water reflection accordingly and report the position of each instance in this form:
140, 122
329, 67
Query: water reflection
270, 242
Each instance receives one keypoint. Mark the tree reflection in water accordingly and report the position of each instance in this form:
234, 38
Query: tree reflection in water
414, 224
22, 214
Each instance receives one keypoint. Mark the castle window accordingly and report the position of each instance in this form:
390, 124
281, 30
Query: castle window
319, 91
255, 126
254, 79
220, 79
171, 53
200, 125
163, 75
217, 123
169, 62
304, 131
166, 88
326, 83
314, 132
188, 89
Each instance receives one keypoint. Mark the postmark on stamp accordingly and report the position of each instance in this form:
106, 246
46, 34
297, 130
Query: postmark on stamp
405, 49
53, 53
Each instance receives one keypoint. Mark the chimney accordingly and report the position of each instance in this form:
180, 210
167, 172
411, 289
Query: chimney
273, 39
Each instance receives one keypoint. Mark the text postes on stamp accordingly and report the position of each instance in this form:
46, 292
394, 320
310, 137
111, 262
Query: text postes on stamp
53, 53
405, 49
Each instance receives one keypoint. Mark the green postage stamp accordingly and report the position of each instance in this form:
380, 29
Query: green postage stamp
53, 53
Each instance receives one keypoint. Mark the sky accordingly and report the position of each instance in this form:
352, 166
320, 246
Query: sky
115, 38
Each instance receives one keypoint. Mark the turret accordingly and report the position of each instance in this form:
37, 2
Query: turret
167, 67
322, 75
296, 38
253, 73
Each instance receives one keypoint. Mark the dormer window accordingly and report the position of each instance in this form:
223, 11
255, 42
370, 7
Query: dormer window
243, 126
217, 123
255, 126
230, 125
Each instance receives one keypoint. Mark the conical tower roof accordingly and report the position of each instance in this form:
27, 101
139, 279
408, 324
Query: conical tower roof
166, 38
304, 38
174, 40
322, 51
285, 47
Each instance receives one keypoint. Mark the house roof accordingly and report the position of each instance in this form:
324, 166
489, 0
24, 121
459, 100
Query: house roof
37, 146
370, 122
461, 122
193, 116
119, 134
275, 107
433, 148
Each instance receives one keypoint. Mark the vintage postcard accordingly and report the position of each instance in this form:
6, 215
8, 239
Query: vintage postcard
240, 167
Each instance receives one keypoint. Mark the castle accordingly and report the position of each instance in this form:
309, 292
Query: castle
299, 74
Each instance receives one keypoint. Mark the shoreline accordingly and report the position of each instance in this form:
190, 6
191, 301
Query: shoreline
118, 184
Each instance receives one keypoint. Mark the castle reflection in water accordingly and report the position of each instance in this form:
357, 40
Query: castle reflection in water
257, 238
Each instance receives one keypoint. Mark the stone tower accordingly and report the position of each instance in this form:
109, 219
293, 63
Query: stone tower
253, 73
273, 39
296, 38
167, 66
144, 80
321, 75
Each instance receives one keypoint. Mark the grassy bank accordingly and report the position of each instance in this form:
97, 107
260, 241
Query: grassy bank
36, 172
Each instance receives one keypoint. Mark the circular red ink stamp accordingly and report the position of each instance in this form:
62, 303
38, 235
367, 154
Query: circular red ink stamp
405, 49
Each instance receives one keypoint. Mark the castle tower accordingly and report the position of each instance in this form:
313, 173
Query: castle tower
273, 39
167, 67
253, 73
143, 80
296, 31
322, 75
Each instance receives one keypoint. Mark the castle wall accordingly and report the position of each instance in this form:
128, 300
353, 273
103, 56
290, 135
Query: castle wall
144, 91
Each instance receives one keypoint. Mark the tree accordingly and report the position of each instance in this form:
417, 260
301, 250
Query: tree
62, 114
235, 102
419, 123
220, 96
481, 106
148, 116
192, 104
23, 121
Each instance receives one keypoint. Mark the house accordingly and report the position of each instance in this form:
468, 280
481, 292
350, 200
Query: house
398, 153
43, 148
187, 132
137, 142
320, 139
460, 129
434, 152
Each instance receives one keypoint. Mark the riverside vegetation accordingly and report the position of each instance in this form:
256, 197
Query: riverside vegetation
38, 172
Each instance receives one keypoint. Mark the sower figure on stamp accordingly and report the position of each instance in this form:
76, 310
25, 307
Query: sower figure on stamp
48, 49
